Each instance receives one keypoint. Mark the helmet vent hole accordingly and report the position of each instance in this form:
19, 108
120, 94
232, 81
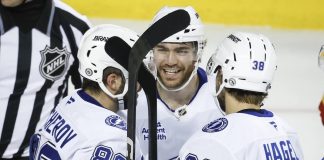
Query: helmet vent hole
234, 56
132, 40
264, 46
94, 64
232, 68
243, 79
197, 15
186, 30
88, 53
225, 80
250, 54
95, 71
193, 29
93, 46
265, 56
178, 38
226, 61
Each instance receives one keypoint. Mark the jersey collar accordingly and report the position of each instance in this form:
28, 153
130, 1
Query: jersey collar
257, 112
88, 98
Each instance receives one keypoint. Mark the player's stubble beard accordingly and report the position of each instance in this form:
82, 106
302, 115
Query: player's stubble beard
184, 78
221, 100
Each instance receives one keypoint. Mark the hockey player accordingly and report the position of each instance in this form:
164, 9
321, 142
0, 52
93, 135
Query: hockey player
244, 64
321, 65
86, 125
184, 102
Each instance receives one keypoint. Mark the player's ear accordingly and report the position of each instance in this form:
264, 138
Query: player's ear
113, 81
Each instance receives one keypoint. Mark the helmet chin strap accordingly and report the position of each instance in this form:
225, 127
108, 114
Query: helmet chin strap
219, 106
194, 72
104, 88
121, 103
221, 87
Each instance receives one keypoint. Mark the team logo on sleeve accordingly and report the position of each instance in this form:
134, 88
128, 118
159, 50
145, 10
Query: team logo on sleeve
191, 156
216, 126
54, 63
116, 121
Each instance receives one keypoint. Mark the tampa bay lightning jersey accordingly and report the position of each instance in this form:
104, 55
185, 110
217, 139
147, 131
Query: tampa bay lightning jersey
80, 128
246, 135
174, 127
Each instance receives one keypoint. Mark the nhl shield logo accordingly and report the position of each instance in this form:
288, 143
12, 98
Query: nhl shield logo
54, 63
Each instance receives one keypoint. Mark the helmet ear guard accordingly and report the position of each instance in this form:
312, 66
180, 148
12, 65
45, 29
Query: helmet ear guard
248, 62
94, 59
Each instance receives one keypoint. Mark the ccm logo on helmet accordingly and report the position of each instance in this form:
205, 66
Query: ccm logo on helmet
100, 38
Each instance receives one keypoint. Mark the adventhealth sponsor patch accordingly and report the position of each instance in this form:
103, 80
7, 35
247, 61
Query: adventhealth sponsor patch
116, 121
216, 126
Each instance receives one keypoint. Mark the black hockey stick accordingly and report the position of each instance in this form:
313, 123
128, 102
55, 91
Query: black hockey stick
156, 33
160, 30
117, 46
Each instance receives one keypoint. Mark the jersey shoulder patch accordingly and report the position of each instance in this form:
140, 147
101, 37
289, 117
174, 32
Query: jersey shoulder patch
116, 121
216, 125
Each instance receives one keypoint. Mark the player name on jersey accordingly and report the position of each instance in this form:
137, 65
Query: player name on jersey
61, 131
280, 150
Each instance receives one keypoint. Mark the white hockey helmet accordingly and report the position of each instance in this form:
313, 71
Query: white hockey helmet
248, 62
193, 33
94, 59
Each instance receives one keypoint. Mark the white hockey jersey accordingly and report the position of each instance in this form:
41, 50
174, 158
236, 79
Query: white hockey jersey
175, 127
80, 128
247, 135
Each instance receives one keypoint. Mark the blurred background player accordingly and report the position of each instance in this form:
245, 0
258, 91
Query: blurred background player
245, 64
38, 54
86, 125
185, 102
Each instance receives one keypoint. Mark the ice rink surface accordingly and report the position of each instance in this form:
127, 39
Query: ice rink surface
298, 84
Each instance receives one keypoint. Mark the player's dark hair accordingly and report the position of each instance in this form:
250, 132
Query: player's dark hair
195, 45
240, 95
93, 86
245, 96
